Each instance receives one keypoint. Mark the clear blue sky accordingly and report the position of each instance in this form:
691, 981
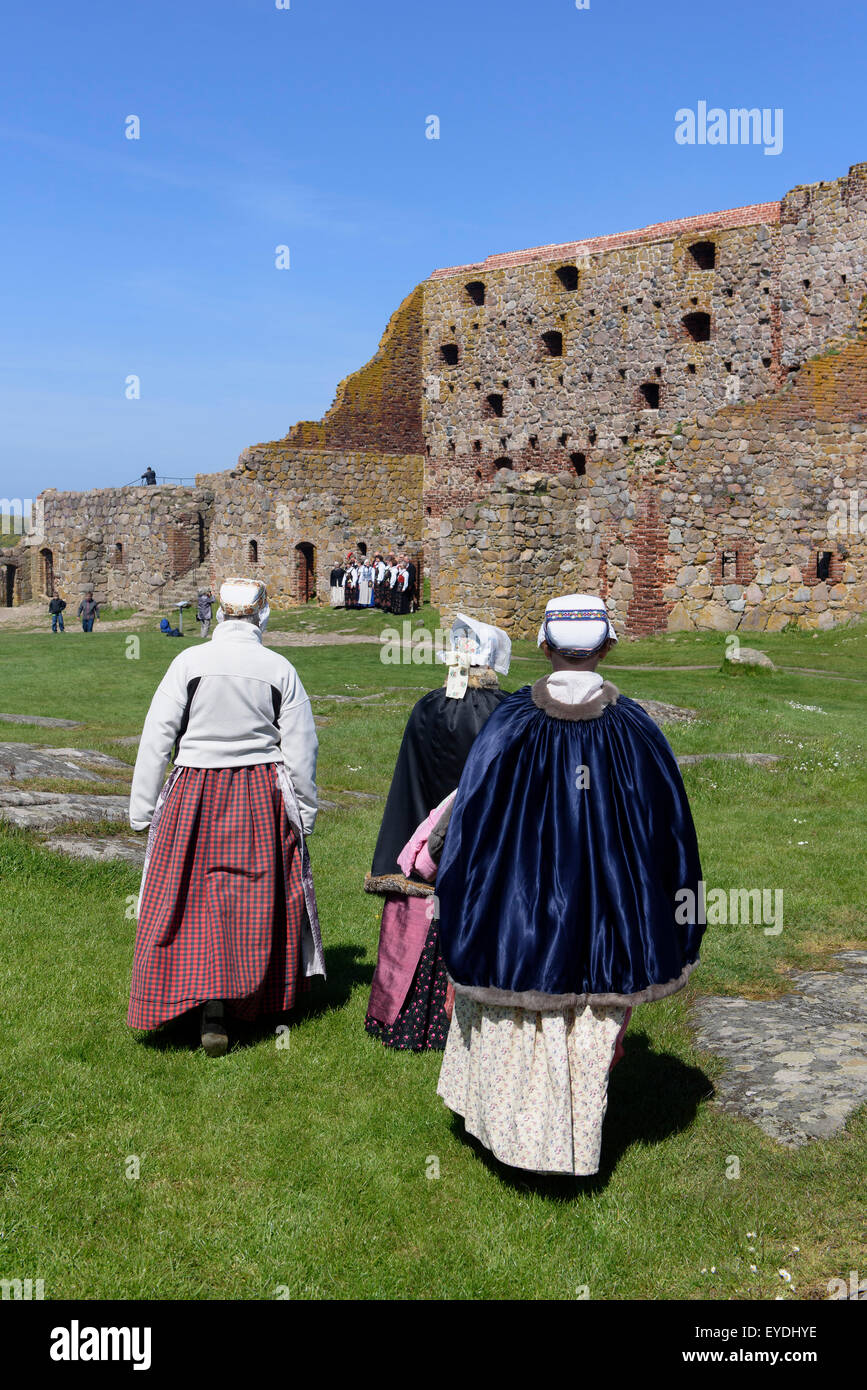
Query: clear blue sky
306, 127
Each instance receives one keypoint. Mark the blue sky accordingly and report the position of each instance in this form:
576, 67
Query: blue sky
306, 127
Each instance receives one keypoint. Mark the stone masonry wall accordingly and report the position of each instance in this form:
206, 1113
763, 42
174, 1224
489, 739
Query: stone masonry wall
723, 524
683, 507
129, 544
281, 498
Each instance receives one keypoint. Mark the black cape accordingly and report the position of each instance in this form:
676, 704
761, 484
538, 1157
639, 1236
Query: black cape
438, 737
569, 843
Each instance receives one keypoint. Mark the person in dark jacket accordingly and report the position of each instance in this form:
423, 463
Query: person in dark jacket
55, 608
88, 611
204, 608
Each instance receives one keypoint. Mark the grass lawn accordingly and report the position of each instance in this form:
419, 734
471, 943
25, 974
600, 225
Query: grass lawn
306, 1167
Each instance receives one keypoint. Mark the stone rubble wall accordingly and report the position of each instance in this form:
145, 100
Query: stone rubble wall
710, 510
281, 497
715, 525
161, 530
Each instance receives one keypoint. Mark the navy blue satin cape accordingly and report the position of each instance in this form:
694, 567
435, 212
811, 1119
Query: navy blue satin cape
545, 888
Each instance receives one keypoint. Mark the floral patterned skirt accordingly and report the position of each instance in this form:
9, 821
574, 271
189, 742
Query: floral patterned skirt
532, 1087
423, 1023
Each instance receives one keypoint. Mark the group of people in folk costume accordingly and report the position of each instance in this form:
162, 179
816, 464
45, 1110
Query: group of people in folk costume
386, 582
534, 852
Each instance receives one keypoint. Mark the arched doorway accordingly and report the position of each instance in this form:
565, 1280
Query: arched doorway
305, 571
46, 571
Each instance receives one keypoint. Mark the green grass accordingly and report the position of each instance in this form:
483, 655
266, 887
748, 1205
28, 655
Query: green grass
305, 1166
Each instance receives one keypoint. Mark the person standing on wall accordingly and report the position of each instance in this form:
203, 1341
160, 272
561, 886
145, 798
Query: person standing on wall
149, 477
55, 608
88, 611
204, 609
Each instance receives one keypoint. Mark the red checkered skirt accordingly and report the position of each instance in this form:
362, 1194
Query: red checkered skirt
222, 906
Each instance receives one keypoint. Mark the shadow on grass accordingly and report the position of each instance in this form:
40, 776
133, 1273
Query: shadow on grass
651, 1095
346, 969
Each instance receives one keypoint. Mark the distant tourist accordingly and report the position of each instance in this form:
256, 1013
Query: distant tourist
88, 611
569, 845
149, 477
336, 581
204, 608
55, 607
167, 630
227, 913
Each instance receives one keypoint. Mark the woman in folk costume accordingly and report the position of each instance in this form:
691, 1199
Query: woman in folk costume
379, 570
410, 1003
350, 584
569, 842
227, 913
336, 580
365, 585
401, 590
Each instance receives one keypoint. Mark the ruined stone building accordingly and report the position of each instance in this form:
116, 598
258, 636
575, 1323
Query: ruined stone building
675, 418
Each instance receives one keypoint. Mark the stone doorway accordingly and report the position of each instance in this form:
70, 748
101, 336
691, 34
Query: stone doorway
9, 586
305, 571
46, 571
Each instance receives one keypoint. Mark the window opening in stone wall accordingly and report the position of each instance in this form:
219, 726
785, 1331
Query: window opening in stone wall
253, 552
823, 564
560, 379
728, 566
591, 435
690, 367
766, 361
649, 391
361, 547
532, 381
703, 254
697, 326
476, 291
806, 284
568, 276
477, 445
449, 353
494, 404
564, 439
553, 341
579, 463
622, 373
118, 552
730, 294
503, 463
534, 441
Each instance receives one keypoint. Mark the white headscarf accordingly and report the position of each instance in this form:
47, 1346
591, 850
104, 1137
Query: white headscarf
483, 644
576, 625
244, 598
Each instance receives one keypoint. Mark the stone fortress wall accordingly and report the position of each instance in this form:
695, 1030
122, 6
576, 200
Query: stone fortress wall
670, 417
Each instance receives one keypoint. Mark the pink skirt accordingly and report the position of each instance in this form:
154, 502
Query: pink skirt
222, 906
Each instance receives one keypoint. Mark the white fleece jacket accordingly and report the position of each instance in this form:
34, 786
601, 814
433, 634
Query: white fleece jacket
231, 719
